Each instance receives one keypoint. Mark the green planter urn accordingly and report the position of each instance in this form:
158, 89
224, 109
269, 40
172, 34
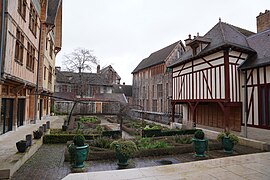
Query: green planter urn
78, 151
80, 156
227, 145
122, 159
200, 146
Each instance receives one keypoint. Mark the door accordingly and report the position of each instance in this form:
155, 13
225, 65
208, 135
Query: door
40, 109
20, 112
6, 115
98, 107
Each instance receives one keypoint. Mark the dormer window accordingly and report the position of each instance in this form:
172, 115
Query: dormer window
198, 44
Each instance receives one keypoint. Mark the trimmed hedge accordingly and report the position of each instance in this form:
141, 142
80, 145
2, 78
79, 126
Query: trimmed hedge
64, 138
157, 132
113, 134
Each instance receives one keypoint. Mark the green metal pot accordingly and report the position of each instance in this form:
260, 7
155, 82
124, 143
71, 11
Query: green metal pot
227, 145
122, 159
200, 146
80, 156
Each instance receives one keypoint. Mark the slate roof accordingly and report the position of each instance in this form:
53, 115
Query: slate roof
221, 35
89, 78
116, 97
155, 58
102, 71
52, 11
260, 42
125, 89
64, 96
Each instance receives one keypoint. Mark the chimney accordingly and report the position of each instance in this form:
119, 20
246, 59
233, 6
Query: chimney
98, 68
188, 41
263, 21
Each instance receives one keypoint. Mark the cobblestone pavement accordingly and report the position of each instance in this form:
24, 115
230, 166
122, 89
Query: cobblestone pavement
48, 162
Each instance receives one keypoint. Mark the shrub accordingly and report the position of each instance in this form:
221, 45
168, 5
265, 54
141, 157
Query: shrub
127, 148
199, 134
79, 140
147, 143
102, 142
182, 139
231, 136
88, 119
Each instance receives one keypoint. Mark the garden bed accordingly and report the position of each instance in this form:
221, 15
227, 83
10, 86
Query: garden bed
145, 147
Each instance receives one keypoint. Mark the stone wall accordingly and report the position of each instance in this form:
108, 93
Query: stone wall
90, 107
163, 118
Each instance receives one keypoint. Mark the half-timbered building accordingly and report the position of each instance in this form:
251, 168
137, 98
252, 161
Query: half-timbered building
256, 75
208, 83
152, 82
22, 34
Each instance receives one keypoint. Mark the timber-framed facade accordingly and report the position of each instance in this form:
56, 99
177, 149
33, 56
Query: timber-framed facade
222, 80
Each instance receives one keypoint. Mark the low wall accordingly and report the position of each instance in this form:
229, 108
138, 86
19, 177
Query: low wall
87, 107
155, 116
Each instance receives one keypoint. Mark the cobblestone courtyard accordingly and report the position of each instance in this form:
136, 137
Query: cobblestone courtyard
48, 162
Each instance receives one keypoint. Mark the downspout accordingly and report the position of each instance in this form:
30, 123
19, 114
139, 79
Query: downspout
36, 88
244, 102
2, 35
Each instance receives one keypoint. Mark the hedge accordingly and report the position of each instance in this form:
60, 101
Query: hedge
113, 134
105, 154
64, 138
157, 132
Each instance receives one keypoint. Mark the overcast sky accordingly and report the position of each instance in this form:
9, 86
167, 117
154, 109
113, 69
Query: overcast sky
123, 32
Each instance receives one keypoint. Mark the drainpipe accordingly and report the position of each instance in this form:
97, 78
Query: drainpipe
36, 88
2, 35
245, 101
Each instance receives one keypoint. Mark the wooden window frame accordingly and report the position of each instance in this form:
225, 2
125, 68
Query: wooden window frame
159, 90
30, 62
19, 47
22, 4
33, 20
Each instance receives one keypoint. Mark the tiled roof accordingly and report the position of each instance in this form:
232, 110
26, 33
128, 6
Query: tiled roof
74, 78
52, 11
221, 35
260, 42
125, 89
155, 58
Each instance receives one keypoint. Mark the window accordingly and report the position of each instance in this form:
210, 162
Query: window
22, 8
33, 20
50, 75
264, 98
159, 90
30, 62
19, 47
154, 106
51, 48
45, 73
64, 88
153, 91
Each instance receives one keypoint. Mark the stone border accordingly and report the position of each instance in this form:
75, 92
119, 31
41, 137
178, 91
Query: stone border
242, 141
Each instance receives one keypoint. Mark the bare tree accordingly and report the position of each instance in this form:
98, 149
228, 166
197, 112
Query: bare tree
80, 60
